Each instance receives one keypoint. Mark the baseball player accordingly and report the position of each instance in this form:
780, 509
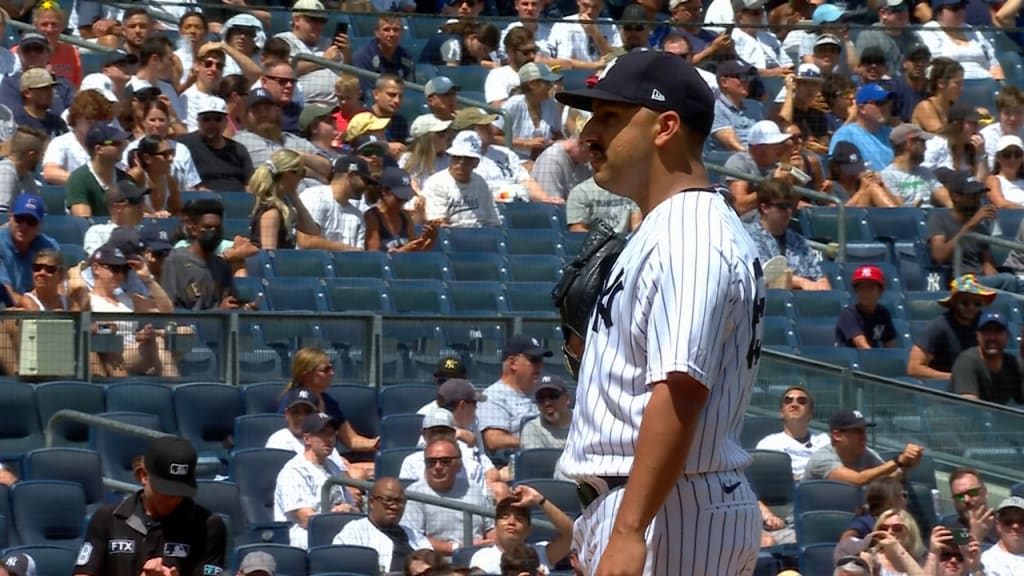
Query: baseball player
673, 344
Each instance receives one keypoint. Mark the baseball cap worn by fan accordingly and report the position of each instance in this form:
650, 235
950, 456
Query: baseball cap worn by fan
450, 367
846, 154
459, 390
536, 71
469, 117
825, 14
427, 124
526, 345
466, 144
104, 135
155, 238
212, 105
300, 396
828, 40
29, 205
33, 39
960, 182
316, 422
992, 318
126, 191
734, 68
99, 82
109, 255
367, 141
351, 165
439, 418
439, 85
37, 78
809, 73
907, 131
258, 96
848, 420
1011, 502
550, 383
871, 93
658, 81
365, 122
1009, 141
118, 57
963, 112
311, 113
397, 182
766, 132
869, 274
170, 463
128, 241
258, 562
307, 5
19, 564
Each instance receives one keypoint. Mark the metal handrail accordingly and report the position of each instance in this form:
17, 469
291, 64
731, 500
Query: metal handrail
98, 422
468, 510
809, 193
74, 41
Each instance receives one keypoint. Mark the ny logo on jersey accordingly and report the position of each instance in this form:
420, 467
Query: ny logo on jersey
754, 348
606, 300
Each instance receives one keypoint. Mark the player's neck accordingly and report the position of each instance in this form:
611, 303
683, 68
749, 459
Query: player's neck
662, 184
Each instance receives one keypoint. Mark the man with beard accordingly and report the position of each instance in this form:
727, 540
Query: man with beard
909, 88
868, 131
970, 498
985, 372
223, 164
34, 51
946, 336
551, 428
382, 529
209, 68
263, 135
891, 34
912, 183
17, 170
335, 209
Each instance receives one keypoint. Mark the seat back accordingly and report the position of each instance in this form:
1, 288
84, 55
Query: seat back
48, 512
20, 430
771, 477
757, 427
405, 398
821, 526
76, 465
825, 495
146, 397
81, 396
355, 559
253, 430
536, 463
255, 471
116, 449
206, 414
261, 397
388, 463
400, 430
324, 527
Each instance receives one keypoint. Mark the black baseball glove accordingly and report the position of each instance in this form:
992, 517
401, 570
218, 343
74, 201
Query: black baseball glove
577, 292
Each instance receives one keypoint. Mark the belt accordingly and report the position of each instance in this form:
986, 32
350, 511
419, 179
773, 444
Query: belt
587, 492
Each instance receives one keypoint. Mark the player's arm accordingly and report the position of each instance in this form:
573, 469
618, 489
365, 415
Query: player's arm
216, 540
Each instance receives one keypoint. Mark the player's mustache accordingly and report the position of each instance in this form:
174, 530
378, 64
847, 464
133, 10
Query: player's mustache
595, 147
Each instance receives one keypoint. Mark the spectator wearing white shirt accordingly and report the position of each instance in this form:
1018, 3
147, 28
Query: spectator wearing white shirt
796, 438
297, 492
959, 146
1010, 116
513, 521
532, 118
948, 36
308, 21
333, 207
209, 70
383, 530
477, 468
125, 206
503, 81
458, 197
585, 39
17, 170
299, 404
244, 34
440, 92
756, 45
1006, 558
1006, 184
156, 61
429, 138
551, 428
527, 11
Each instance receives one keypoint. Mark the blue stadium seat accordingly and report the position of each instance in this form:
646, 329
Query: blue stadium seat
468, 78
825, 495
118, 449
300, 263
573, 242
296, 294
534, 268
6, 517
921, 506
916, 268
388, 463
845, 358
261, 397
405, 398
771, 476
419, 266
821, 526
50, 560
779, 303
561, 493
767, 565
65, 229
923, 473
924, 306
980, 92
422, 297
533, 215
146, 397
889, 362
366, 264
477, 298
74, 465
900, 224
206, 415
536, 463
491, 240
222, 497
255, 471
778, 331
359, 403
818, 304
355, 559
424, 27
530, 299
70, 395
357, 295
53, 199
822, 224
20, 430
817, 559
291, 561
237, 204
48, 512
324, 527
816, 331
253, 430
400, 431
757, 427
72, 254
477, 266
861, 253
533, 242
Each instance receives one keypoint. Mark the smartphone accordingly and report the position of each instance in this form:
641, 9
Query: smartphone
961, 536
341, 28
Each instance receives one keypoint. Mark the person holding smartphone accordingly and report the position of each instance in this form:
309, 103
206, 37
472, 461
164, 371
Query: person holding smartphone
309, 26
953, 553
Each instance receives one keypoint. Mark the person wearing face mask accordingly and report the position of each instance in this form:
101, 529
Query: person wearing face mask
947, 335
985, 372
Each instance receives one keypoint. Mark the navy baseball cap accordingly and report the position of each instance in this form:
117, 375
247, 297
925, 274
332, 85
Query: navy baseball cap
318, 421
33, 39
100, 133
351, 164
128, 241
259, 95
155, 238
992, 318
20, 564
848, 420
660, 81
29, 205
527, 345
872, 93
397, 181
118, 57
297, 396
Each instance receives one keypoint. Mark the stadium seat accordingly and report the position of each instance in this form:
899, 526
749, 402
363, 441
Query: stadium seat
561, 493
20, 430
924, 306
253, 430
357, 295
862, 253
921, 506
779, 302
70, 395
300, 263
50, 560
296, 294
573, 242
457, 240
53, 199
825, 495
424, 27
477, 298
355, 559
530, 299
365, 264
771, 477
533, 215
981, 92
818, 304
118, 449
74, 465
923, 473
767, 565
261, 397
290, 333
400, 431
405, 398
816, 331
469, 78
889, 362
65, 229
255, 471
237, 205
757, 427
536, 463
464, 555
899, 224
72, 254
533, 242
916, 269
291, 561
419, 297
388, 463
359, 403
477, 266
845, 358
206, 415
821, 526
221, 497
324, 527
419, 266
534, 268
778, 331
822, 224
817, 559
6, 517
146, 397
48, 513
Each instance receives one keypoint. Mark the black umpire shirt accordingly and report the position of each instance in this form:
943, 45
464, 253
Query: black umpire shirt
121, 538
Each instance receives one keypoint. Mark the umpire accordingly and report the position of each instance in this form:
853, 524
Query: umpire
159, 530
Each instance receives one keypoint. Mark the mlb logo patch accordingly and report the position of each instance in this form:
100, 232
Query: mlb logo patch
176, 550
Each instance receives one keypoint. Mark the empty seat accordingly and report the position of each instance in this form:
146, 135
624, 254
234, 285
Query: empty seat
530, 299
825, 495
778, 331
841, 357
817, 559
400, 431
821, 304
816, 331
388, 463
80, 396
357, 295
821, 526
255, 471
261, 397
65, 229
424, 297
146, 397
534, 268
899, 224
924, 306
359, 403
419, 266
118, 449
20, 430
354, 559
365, 264
469, 78
822, 224
561, 493
75, 465
890, 362
867, 253
477, 266
206, 415
537, 241
48, 512
222, 497
300, 263
237, 204
533, 215
294, 294
253, 430
405, 398
459, 240
771, 477
476, 298
6, 517
536, 463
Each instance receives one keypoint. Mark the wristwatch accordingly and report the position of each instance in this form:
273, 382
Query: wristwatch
896, 461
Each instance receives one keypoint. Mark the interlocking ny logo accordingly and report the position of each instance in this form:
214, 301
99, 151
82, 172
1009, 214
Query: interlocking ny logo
605, 302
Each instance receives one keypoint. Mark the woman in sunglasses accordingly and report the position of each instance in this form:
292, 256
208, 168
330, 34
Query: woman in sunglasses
47, 278
151, 169
881, 495
154, 118
1006, 184
946, 557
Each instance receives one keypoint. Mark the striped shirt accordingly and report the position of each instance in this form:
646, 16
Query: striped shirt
362, 532
298, 486
686, 295
505, 408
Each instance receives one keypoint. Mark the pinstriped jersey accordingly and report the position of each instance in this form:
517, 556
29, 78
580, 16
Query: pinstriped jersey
686, 295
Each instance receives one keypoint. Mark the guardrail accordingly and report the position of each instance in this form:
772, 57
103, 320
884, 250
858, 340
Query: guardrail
468, 510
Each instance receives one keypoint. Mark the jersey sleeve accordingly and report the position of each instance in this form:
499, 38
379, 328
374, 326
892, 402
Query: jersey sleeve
92, 556
685, 329
212, 561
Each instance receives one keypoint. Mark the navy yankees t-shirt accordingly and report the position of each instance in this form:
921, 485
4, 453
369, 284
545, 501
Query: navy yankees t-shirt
876, 326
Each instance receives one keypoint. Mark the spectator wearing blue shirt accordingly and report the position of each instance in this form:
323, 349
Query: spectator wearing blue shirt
869, 132
385, 53
911, 87
20, 240
704, 44
735, 114
866, 324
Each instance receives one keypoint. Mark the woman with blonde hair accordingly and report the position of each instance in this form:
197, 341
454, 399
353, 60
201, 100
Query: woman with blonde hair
898, 549
278, 211
430, 137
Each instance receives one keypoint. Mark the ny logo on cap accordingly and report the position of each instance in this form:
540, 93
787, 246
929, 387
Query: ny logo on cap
534, 342
178, 469
162, 234
304, 394
353, 168
405, 180
12, 561
853, 158
858, 414
604, 72
118, 253
31, 203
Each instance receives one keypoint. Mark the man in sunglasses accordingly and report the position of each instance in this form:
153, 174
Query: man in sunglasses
1006, 558
156, 243
124, 203
848, 459
551, 428
383, 530
951, 333
634, 30
796, 438
209, 69
309, 23
970, 499
892, 33
20, 240
735, 113
773, 236
985, 372
869, 131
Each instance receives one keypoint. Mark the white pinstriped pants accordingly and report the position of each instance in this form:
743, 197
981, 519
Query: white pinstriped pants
701, 529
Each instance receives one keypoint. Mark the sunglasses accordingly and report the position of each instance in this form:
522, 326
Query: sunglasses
212, 118
801, 400
373, 153
388, 502
684, 56
527, 51
970, 303
282, 80
895, 529
962, 496
48, 268
948, 555
634, 27
1015, 154
443, 461
26, 221
213, 64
